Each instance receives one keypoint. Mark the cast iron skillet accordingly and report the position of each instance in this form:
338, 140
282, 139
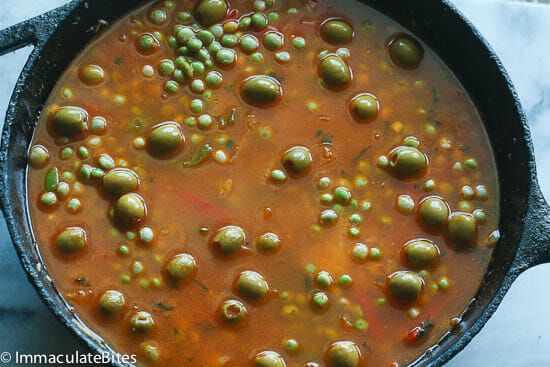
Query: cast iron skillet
58, 35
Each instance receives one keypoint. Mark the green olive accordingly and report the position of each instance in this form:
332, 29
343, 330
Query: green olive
92, 75
252, 285
165, 138
364, 107
405, 285
229, 239
130, 210
334, 71
462, 228
269, 242
343, 354
421, 253
434, 212
269, 359
71, 240
120, 181
181, 266
336, 32
407, 161
297, 160
141, 322
261, 90
406, 52
111, 302
233, 310
70, 121
209, 12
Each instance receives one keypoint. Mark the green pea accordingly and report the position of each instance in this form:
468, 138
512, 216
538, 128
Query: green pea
481, 192
273, 41
405, 285
92, 75
480, 216
171, 87
184, 16
213, 79
259, 21
282, 57
248, 43
342, 194
216, 30
151, 352
261, 90
98, 125
326, 198
245, 22
334, 72
328, 217
147, 43
206, 37
257, 58
273, 17
297, 160
63, 189
196, 106
320, 300
229, 40
269, 242
407, 161
360, 251
269, 359
106, 162
364, 107
226, 57
166, 67
48, 199
197, 86
233, 310
434, 212
184, 35
471, 162
299, 42
336, 32
405, 204
70, 121
97, 172
406, 52
208, 12
38, 156
462, 228
194, 44
181, 266
252, 285
120, 181
141, 322
421, 253
291, 345
323, 278
229, 239
130, 210
205, 121
165, 138
345, 280
111, 302
157, 16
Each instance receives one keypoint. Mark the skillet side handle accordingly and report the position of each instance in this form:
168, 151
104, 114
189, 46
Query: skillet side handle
32, 31
535, 243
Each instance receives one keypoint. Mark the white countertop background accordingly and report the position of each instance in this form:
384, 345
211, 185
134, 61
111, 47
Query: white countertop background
518, 335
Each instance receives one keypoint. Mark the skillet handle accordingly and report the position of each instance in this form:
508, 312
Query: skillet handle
535, 248
34, 30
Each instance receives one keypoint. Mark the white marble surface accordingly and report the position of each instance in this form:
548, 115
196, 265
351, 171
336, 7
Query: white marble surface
518, 335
